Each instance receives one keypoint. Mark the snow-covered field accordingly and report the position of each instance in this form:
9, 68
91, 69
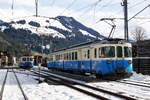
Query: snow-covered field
43, 91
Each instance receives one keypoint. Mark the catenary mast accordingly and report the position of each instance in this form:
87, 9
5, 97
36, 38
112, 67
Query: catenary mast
125, 4
36, 4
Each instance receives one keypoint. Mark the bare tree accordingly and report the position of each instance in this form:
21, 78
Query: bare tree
139, 34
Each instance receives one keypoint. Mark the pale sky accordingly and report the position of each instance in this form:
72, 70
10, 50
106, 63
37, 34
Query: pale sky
88, 12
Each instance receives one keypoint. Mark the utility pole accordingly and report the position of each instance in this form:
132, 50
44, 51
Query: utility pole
125, 4
12, 8
36, 4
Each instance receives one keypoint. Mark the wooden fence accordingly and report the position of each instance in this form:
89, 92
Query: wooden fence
141, 65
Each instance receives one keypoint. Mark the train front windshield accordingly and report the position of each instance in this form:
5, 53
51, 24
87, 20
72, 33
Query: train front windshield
121, 51
110, 51
127, 51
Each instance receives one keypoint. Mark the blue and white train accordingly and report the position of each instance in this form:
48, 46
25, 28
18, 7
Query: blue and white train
27, 62
102, 58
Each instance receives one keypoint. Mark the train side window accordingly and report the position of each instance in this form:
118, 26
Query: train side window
127, 52
84, 54
119, 51
65, 56
72, 55
31, 59
69, 56
101, 52
76, 55
58, 57
23, 59
28, 59
88, 54
61, 56
95, 52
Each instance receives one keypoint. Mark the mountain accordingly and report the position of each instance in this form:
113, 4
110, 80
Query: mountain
36, 31
12, 46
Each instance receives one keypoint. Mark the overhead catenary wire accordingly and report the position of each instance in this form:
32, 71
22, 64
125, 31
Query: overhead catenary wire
109, 3
69, 6
96, 4
89, 8
52, 3
139, 12
137, 4
106, 5
12, 7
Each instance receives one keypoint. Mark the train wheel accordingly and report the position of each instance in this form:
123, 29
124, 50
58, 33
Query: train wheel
98, 76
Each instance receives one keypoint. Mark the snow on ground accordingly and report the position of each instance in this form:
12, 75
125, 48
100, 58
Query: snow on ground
140, 77
43, 91
126, 89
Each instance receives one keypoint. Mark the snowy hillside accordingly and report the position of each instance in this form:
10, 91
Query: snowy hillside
57, 32
60, 26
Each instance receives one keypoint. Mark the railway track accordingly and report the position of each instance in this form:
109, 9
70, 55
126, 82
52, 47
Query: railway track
83, 87
136, 83
23, 93
18, 83
3, 85
91, 79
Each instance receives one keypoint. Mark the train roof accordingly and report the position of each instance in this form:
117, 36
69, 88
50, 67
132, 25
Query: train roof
105, 41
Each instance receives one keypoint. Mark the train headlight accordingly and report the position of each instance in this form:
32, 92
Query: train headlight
108, 61
129, 61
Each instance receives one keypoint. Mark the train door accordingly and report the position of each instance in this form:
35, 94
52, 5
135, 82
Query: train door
86, 60
108, 53
79, 58
120, 59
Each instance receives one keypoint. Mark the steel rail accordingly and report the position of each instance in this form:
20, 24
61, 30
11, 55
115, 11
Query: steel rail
4, 82
23, 93
136, 84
